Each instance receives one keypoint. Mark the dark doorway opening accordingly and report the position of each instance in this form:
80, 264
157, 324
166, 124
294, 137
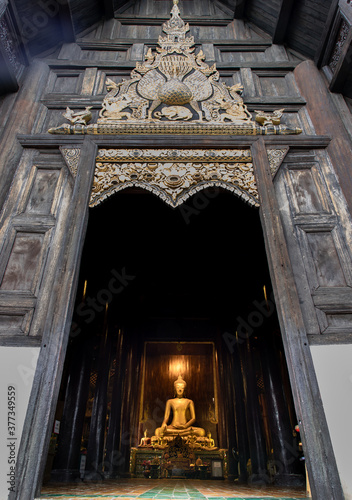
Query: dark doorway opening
197, 273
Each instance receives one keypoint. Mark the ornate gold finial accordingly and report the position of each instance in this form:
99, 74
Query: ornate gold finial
173, 84
175, 28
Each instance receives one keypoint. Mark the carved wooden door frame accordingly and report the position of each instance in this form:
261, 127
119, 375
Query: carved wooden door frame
323, 474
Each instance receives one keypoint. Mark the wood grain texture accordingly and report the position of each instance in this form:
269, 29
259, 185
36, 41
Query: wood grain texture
59, 287
309, 408
326, 121
318, 233
45, 204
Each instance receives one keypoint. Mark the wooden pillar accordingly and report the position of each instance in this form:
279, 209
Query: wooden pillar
130, 410
285, 454
95, 448
67, 459
243, 453
113, 455
321, 463
254, 420
222, 421
228, 398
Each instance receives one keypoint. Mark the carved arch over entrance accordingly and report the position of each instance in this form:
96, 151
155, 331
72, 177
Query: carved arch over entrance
174, 175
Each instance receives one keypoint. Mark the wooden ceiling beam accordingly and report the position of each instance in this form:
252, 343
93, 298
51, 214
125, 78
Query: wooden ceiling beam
239, 8
8, 79
235, 6
66, 21
109, 8
121, 3
282, 21
326, 33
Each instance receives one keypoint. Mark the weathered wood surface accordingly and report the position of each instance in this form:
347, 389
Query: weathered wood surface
75, 76
324, 479
179, 141
282, 20
317, 228
19, 117
307, 26
326, 121
30, 233
59, 291
78, 74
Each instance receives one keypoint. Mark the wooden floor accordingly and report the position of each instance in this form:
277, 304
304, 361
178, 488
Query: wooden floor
165, 489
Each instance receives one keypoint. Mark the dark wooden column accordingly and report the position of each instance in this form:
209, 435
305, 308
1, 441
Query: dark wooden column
130, 413
285, 454
113, 455
254, 420
222, 396
319, 454
228, 402
67, 458
95, 448
241, 420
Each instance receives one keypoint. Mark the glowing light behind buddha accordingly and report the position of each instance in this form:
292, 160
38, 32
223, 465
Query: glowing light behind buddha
178, 365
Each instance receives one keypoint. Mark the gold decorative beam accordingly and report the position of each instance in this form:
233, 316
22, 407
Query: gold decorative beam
174, 174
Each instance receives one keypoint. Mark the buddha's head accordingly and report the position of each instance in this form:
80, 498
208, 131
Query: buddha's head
179, 386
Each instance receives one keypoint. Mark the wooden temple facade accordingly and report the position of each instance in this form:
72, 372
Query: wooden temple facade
161, 163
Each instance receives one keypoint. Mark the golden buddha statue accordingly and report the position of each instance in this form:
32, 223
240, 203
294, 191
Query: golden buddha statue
145, 441
180, 425
210, 443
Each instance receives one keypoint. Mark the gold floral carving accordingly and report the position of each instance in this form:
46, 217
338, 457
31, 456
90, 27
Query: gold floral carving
150, 154
174, 91
72, 157
276, 157
174, 175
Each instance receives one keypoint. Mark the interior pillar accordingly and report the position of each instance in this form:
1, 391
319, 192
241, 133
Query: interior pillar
67, 459
113, 455
285, 453
243, 452
130, 414
255, 430
230, 413
95, 449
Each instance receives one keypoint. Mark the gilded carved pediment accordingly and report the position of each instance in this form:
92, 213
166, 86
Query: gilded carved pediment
174, 91
174, 175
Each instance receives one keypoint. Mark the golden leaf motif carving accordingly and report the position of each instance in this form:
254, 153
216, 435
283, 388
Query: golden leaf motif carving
174, 75
174, 175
